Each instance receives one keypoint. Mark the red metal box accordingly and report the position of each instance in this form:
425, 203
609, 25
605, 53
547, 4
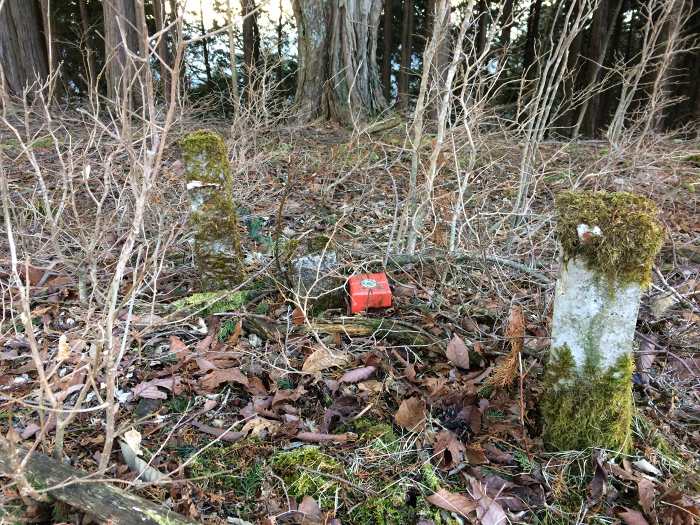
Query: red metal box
369, 290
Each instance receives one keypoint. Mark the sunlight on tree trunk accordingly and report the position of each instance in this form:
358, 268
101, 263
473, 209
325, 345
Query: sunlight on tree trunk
338, 76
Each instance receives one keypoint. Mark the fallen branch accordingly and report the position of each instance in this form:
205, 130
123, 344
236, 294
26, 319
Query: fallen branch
96, 498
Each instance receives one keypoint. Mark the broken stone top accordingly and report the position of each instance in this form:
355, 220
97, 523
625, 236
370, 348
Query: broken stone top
205, 158
617, 234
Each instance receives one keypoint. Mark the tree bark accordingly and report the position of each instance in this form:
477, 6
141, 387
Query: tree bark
338, 76
205, 45
23, 56
251, 38
601, 34
163, 53
119, 19
533, 26
91, 79
388, 48
506, 22
442, 55
406, 53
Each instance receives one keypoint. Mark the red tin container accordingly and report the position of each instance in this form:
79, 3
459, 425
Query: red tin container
370, 290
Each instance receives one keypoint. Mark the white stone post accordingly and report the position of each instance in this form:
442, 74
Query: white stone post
609, 241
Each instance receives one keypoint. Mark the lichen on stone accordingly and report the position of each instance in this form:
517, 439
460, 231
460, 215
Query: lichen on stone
630, 233
213, 213
587, 407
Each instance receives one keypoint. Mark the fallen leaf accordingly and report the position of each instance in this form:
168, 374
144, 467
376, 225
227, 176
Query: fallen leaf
151, 389
411, 414
632, 517
457, 352
63, 348
311, 510
448, 450
646, 492
260, 427
298, 317
322, 358
452, 502
214, 378
488, 510
598, 486
284, 395
476, 455
358, 374
133, 439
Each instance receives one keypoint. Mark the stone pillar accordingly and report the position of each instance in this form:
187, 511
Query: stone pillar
212, 210
609, 241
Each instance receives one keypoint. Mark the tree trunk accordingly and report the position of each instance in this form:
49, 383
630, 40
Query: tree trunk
338, 76
442, 55
23, 57
484, 15
163, 53
388, 48
609, 242
533, 26
205, 45
91, 80
506, 22
406, 53
119, 18
601, 33
251, 39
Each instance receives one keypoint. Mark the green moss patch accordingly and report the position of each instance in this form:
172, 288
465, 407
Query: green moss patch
213, 302
588, 408
389, 509
309, 472
631, 233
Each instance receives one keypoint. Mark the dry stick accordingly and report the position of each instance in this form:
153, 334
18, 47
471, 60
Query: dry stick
99, 499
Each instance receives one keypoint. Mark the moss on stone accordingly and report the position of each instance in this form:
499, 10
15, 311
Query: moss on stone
587, 407
304, 471
631, 233
214, 218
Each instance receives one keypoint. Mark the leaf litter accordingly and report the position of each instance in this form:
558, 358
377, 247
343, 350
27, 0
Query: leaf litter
432, 434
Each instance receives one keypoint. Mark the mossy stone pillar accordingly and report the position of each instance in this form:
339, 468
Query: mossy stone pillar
212, 210
609, 241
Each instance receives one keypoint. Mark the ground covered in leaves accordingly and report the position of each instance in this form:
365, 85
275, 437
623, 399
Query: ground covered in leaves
261, 406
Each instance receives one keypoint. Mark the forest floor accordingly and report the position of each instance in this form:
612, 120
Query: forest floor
278, 423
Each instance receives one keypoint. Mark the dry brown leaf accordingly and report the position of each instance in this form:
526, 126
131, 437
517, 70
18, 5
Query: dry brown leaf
452, 502
311, 511
151, 389
214, 378
358, 374
235, 336
448, 450
322, 358
411, 414
646, 491
488, 510
285, 395
633, 517
457, 352
476, 455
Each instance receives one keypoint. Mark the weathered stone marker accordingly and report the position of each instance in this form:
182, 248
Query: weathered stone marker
212, 210
609, 242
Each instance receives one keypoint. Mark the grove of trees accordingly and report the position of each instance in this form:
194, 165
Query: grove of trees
355, 60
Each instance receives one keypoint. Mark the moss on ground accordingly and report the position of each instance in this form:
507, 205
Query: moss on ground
214, 217
220, 302
631, 233
589, 407
309, 472
391, 508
